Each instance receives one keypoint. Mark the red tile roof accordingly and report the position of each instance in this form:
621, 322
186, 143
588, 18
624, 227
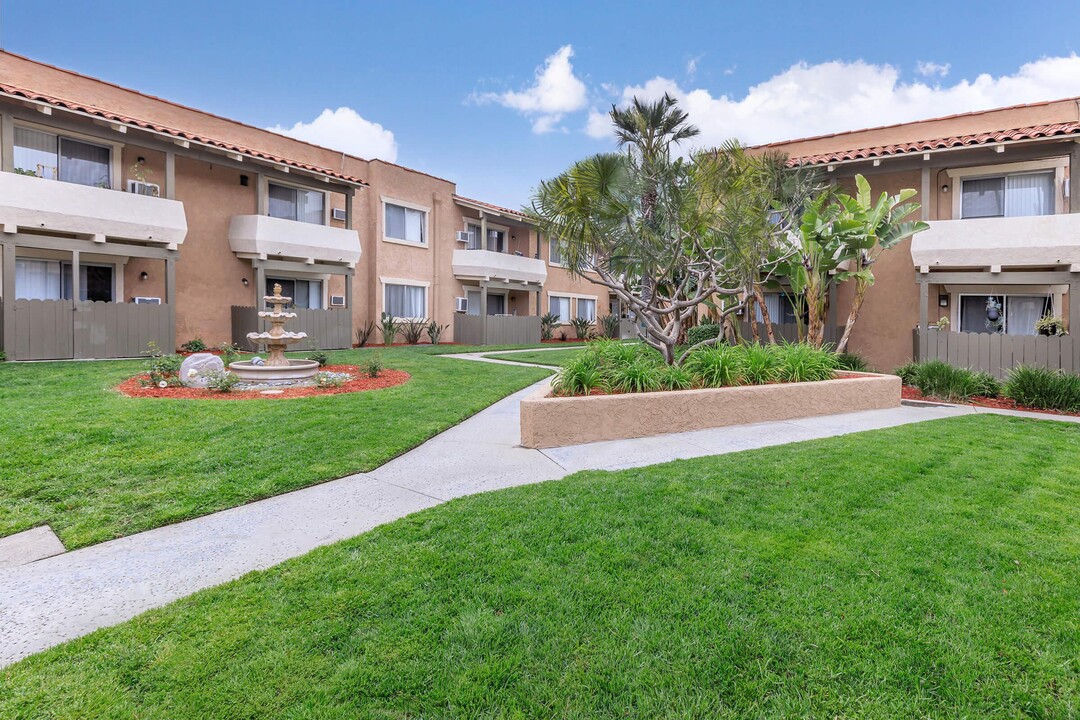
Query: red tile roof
15, 91
496, 208
983, 138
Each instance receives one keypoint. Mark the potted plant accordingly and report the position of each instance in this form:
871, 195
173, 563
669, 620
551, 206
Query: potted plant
1050, 326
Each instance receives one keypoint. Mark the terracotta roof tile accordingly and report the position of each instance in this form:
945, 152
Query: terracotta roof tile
984, 138
496, 208
16, 91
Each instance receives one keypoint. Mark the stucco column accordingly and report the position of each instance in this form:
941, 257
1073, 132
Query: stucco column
9, 299
483, 314
924, 321
483, 231
170, 297
260, 285
1074, 315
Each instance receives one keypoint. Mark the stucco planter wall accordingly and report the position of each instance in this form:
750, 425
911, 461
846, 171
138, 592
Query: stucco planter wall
548, 421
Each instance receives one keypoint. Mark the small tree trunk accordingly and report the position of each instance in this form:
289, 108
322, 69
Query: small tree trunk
751, 316
856, 307
765, 314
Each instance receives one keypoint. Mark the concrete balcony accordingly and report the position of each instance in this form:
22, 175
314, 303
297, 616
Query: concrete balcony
490, 265
31, 203
262, 236
992, 243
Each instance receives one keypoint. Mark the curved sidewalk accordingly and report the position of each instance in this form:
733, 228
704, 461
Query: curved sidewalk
63, 597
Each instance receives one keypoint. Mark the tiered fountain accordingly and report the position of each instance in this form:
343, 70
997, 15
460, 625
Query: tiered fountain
277, 369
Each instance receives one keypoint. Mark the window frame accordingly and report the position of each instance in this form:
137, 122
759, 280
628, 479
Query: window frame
425, 226
1057, 164
1051, 296
409, 283
577, 307
299, 188
272, 277
551, 247
504, 229
66, 267
115, 149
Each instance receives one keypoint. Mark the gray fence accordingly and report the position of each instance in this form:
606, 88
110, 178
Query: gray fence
501, 329
326, 329
786, 332
61, 329
997, 354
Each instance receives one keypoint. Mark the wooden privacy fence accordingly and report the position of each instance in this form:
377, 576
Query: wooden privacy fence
326, 329
501, 329
996, 353
62, 330
788, 332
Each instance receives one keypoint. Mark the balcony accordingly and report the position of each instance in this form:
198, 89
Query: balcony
31, 203
1035, 241
491, 265
261, 236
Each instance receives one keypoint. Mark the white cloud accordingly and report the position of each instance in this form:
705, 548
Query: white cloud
554, 92
343, 129
929, 69
692, 65
837, 96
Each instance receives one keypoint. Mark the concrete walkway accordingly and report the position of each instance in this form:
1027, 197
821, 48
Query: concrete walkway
59, 598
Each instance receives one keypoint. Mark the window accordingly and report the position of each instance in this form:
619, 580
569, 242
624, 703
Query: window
405, 301
496, 304
586, 309
52, 280
1011, 314
292, 203
305, 293
1008, 196
59, 158
559, 306
781, 311
555, 256
405, 224
496, 239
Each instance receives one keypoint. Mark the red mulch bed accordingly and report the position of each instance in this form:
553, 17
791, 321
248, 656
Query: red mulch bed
998, 403
360, 383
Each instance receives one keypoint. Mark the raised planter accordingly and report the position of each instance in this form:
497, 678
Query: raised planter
548, 421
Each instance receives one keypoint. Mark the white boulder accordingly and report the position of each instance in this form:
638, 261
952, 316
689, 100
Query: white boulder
196, 369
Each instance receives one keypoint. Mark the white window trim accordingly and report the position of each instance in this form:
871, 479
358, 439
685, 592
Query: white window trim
116, 149
297, 186
958, 175
385, 200
574, 297
384, 281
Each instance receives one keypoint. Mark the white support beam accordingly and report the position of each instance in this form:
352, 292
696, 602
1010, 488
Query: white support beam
182, 143
999, 149
877, 162
43, 109
236, 157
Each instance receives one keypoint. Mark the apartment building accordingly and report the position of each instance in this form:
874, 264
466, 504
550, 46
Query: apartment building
127, 219
1003, 248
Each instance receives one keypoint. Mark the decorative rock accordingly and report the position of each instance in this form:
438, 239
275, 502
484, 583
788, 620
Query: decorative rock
256, 360
196, 369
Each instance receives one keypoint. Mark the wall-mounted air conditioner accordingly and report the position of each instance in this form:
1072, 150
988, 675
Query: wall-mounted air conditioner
461, 304
465, 237
339, 214
147, 301
143, 188
337, 301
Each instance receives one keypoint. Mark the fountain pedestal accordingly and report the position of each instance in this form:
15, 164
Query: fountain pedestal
277, 367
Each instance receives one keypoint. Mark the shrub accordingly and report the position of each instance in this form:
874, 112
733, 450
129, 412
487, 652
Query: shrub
715, 366
907, 372
635, 377
581, 376
229, 352
609, 326
581, 327
1044, 389
161, 366
194, 345
675, 377
413, 330
3, 356
701, 333
435, 331
331, 379
548, 323
760, 364
799, 362
373, 366
852, 362
364, 333
941, 380
221, 380
320, 357
986, 385
562, 336
389, 327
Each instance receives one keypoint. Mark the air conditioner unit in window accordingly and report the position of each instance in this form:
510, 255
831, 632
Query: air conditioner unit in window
461, 304
337, 301
147, 301
143, 188
338, 214
465, 237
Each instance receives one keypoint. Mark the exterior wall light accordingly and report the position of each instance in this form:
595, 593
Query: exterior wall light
144, 275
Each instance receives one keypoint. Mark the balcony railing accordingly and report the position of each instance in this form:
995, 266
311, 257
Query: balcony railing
491, 265
33, 203
262, 236
1033, 241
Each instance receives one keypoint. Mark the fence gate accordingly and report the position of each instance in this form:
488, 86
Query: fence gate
62, 330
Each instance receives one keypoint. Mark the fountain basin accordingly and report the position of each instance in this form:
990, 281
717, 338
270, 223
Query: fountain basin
295, 370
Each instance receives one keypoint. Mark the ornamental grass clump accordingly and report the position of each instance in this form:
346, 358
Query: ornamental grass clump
800, 362
639, 376
716, 366
761, 364
1044, 389
581, 376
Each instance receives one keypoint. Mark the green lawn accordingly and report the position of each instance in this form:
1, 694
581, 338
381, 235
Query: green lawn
544, 357
922, 571
96, 465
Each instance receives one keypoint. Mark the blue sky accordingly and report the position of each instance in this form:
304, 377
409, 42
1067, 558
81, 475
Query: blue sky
497, 96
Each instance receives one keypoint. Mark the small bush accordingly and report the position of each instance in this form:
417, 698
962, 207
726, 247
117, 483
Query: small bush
581, 376
413, 330
851, 362
760, 364
364, 333
701, 333
373, 366
548, 323
194, 345
229, 352
799, 362
636, 377
434, 331
986, 385
221, 380
389, 327
581, 327
331, 379
941, 380
3, 356
160, 366
715, 366
1044, 389
907, 372
609, 326
320, 357
674, 377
